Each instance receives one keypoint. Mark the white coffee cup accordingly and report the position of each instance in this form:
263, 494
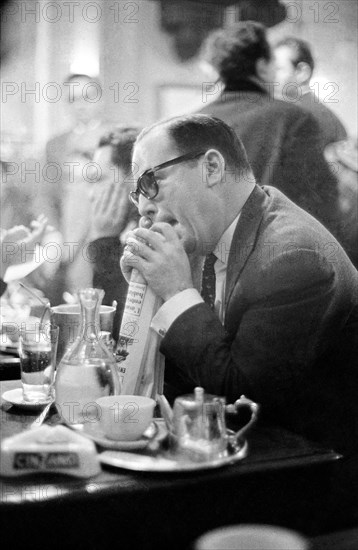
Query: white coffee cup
125, 417
251, 537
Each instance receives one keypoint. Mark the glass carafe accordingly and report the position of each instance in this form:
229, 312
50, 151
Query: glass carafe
88, 369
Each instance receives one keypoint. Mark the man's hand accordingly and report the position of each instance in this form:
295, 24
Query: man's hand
159, 256
109, 209
39, 228
19, 241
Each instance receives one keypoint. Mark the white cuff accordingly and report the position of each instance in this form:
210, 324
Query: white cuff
172, 308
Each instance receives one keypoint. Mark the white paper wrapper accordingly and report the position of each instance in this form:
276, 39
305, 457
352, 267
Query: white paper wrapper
142, 369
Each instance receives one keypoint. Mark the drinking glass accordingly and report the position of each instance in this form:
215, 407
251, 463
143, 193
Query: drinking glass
38, 346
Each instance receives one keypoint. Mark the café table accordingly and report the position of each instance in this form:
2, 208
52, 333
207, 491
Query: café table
9, 366
285, 480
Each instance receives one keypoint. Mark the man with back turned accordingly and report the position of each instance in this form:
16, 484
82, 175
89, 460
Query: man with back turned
282, 324
282, 141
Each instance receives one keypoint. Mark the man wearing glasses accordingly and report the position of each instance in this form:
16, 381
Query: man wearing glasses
278, 326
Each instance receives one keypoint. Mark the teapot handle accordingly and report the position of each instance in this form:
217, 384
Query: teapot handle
244, 402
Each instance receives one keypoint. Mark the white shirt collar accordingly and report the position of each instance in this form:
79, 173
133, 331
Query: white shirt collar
222, 249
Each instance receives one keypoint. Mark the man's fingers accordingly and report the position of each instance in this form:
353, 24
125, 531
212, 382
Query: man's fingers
152, 238
42, 218
138, 248
40, 221
166, 230
17, 233
95, 192
104, 195
129, 261
126, 270
37, 233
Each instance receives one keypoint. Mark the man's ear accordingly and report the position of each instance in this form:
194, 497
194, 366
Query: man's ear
303, 72
213, 167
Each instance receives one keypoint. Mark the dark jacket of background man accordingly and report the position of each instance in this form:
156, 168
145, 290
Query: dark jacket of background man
281, 140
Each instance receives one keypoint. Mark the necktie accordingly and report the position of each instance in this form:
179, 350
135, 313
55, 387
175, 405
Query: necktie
208, 280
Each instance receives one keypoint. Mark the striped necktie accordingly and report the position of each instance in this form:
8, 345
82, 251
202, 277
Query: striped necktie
209, 280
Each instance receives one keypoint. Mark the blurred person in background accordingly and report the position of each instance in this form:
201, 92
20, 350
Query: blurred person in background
7, 38
281, 140
16, 206
14, 196
112, 214
17, 244
19, 232
343, 159
294, 68
66, 202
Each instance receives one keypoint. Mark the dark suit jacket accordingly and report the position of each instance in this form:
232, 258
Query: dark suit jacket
283, 146
3, 287
105, 254
290, 324
331, 128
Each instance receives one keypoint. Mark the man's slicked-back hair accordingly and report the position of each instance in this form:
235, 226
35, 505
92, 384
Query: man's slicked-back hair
234, 52
301, 51
201, 133
121, 139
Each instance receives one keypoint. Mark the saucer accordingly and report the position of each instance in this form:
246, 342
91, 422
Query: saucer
167, 462
91, 430
15, 397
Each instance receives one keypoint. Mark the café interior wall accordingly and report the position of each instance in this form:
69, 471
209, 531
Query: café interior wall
137, 59
151, 63
141, 58
38, 63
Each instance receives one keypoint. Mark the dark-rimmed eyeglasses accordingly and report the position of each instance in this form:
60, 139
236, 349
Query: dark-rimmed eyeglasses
148, 186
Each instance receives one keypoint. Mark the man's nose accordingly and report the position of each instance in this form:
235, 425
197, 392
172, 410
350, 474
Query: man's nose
146, 207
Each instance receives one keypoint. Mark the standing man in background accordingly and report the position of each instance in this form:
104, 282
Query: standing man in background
294, 69
281, 140
67, 202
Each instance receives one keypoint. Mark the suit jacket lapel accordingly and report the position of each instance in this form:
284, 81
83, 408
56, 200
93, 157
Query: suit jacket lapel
244, 238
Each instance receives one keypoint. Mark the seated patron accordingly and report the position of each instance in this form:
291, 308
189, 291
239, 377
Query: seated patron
279, 324
112, 213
